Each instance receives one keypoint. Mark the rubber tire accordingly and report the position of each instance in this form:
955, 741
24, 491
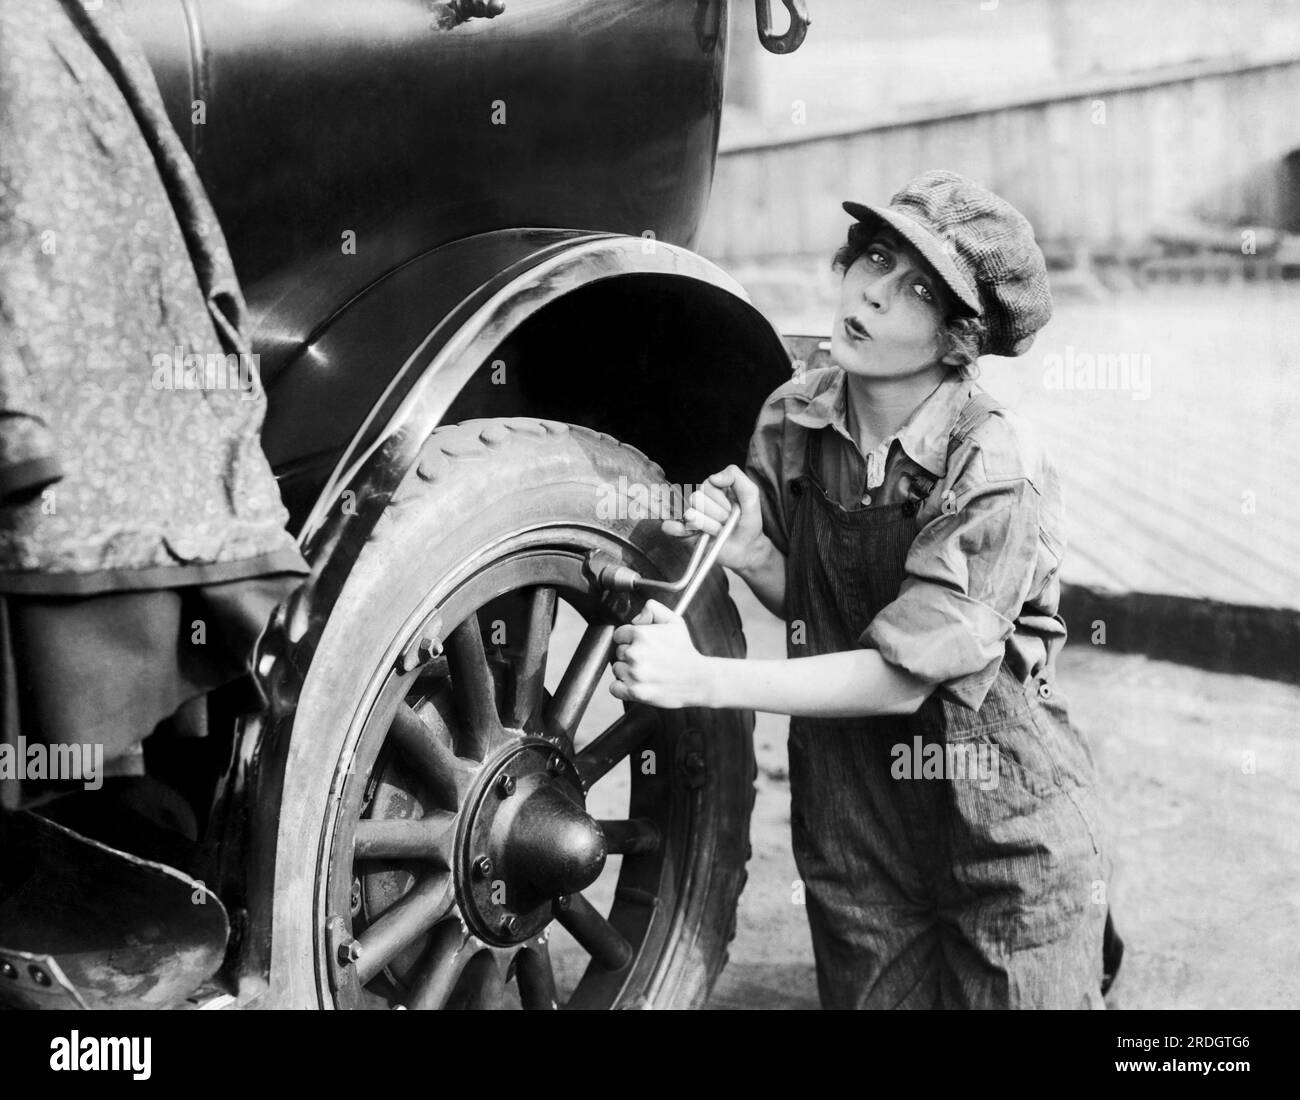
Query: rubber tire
474, 484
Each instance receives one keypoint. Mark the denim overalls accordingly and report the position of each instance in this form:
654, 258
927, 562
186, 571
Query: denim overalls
975, 890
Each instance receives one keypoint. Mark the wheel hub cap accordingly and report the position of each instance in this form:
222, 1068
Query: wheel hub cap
524, 842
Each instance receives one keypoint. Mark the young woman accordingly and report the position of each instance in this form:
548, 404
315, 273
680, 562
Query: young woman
909, 530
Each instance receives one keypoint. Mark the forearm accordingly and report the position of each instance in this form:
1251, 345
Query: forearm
854, 683
766, 578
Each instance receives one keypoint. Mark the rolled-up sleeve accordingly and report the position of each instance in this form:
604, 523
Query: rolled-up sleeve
967, 575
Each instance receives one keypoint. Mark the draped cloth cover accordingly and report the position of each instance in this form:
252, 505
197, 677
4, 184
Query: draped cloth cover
142, 534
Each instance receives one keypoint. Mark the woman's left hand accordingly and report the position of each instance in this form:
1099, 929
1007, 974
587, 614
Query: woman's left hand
656, 663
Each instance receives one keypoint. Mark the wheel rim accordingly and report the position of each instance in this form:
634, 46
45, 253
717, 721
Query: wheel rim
460, 834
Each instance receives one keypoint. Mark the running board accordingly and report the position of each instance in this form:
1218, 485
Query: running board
83, 925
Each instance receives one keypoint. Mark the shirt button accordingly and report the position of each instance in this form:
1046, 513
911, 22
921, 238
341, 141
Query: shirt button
1044, 690
866, 500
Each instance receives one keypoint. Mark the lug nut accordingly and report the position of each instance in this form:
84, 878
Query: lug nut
556, 764
8, 971
506, 786
510, 926
483, 867
349, 952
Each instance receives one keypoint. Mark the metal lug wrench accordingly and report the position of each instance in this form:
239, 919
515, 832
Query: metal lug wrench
621, 578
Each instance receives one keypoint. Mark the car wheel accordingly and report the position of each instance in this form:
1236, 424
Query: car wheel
468, 818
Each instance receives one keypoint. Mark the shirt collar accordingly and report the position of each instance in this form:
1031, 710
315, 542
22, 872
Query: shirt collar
923, 436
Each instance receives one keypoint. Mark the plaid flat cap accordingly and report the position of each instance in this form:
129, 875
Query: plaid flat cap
980, 245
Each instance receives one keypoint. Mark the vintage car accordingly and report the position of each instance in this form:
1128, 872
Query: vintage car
464, 235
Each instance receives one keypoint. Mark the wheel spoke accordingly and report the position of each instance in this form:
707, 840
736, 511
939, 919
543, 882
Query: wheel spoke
474, 688
595, 935
446, 776
483, 983
429, 838
630, 838
448, 955
432, 671
536, 978
413, 914
622, 738
580, 680
530, 672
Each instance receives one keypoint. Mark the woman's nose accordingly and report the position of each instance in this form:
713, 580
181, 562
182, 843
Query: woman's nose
876, 292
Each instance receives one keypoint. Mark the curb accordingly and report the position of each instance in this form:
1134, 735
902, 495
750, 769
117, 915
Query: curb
1208, 634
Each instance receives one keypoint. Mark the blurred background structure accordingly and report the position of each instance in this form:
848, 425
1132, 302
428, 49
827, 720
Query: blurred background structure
1111, 125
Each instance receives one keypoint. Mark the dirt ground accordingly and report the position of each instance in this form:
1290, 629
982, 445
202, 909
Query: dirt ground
1201, 775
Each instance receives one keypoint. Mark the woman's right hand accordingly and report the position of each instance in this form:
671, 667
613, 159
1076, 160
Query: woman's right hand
707, 509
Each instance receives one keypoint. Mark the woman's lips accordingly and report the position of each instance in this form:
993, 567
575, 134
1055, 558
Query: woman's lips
854, 330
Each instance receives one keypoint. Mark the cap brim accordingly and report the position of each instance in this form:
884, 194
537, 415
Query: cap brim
926, 243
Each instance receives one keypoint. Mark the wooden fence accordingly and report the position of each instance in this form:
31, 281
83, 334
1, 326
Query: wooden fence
1100, 164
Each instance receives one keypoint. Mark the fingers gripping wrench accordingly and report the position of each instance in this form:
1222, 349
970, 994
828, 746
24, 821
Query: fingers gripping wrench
621, 578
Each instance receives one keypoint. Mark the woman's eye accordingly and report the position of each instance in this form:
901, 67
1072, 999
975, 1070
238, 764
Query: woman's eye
876, 256
923, 292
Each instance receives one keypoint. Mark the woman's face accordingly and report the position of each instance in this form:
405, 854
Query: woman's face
891, 312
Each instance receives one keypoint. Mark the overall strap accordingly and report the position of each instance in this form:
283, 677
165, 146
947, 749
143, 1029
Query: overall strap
813, 455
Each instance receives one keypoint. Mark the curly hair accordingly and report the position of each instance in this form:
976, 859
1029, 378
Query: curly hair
962, 336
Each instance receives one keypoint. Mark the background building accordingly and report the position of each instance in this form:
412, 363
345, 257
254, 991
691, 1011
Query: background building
1118, 128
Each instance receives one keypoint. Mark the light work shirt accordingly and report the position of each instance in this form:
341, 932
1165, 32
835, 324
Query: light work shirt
982, 574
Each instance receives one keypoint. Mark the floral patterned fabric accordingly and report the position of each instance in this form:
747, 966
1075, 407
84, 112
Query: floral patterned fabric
123, 453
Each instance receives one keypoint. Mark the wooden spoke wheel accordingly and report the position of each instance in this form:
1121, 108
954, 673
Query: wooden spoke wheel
470, 820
